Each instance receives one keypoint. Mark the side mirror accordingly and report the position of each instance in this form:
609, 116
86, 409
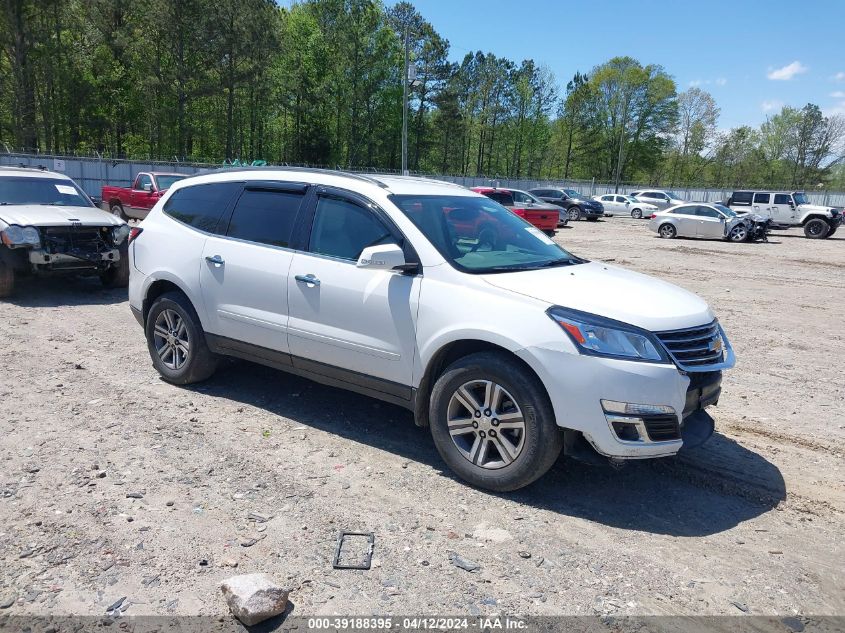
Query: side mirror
148, 187
382, 257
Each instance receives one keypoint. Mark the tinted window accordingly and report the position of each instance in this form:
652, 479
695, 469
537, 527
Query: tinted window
741, 198
761, 198
647, 194
621, 199
502, 198
689, 210
201, 206
706, 212
542, 192
265, 216
343, 229
782, 198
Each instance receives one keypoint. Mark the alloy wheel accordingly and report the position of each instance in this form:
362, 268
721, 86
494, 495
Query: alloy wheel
667, 230
636, 214
738, 234
486, 424
171, 340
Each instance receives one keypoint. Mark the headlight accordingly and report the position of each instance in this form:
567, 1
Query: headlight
15, 235
598, 336
119, 233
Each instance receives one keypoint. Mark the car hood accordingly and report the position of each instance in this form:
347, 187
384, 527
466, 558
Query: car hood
49, 215
611, 292
585, 202
816, 208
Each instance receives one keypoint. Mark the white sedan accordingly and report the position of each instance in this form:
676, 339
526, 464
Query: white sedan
628, 205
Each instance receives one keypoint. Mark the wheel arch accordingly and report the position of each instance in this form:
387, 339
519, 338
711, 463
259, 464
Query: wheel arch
161, 286
448, 353
815, 216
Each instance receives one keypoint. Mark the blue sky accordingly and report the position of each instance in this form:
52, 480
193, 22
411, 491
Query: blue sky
753, 56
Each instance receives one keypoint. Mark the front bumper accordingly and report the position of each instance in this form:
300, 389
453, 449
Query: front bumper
592, 213
43, 261
577, 384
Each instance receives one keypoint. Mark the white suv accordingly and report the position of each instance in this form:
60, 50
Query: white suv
510, 348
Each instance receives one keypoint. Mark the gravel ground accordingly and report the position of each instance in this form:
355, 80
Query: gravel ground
117, 484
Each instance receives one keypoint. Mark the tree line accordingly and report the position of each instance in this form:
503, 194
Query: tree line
320, 83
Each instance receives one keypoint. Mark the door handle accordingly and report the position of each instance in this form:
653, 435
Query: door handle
215, 259
308, 279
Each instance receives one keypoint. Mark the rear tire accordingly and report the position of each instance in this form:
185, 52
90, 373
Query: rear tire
7, 279
117, 209
667, 231
816, 229
176, 341
499, 455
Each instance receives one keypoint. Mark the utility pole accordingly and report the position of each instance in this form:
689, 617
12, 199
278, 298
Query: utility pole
405, 107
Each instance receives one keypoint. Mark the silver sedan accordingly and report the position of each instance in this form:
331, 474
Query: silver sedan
702, 220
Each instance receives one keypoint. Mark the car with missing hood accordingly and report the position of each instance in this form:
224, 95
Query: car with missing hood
49, 226
511, 350
576, 205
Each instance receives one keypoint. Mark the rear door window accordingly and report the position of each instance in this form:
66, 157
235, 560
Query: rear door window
265, 216
201, 206
761, 198
501, 198
783, 198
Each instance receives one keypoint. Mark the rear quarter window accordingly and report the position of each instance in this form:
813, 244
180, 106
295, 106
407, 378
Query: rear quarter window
201, 206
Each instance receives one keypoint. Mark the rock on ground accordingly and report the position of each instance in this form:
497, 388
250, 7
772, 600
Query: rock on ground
254, 598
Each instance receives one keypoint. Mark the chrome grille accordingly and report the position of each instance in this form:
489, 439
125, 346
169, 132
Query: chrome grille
697, 348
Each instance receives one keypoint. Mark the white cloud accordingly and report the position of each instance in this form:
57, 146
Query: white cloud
839, 94
774, 104
838, 76
787, 72
719, 81
839, 108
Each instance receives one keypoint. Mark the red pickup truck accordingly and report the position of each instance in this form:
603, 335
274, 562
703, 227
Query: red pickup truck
542, 215
137, 200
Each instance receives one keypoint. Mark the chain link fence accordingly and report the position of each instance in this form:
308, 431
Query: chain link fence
91, 173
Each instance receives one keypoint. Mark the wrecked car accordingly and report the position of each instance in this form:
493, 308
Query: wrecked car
707, 221
49, 226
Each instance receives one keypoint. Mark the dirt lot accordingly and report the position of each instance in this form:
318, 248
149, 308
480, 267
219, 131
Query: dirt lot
751, 522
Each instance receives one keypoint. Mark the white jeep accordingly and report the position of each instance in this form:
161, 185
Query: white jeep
787, 209
48, 225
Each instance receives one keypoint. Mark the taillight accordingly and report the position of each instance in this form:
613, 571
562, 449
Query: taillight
652, 216
134, 232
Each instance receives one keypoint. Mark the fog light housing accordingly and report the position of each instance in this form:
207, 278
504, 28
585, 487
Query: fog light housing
626, 431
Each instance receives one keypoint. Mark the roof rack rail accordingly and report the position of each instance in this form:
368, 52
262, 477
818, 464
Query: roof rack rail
311, 170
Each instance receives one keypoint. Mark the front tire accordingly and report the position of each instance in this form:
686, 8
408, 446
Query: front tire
176, 341
738, 234
492, 422
816, 229
667, 231
637, 214
117, 275
7, 279
574, 214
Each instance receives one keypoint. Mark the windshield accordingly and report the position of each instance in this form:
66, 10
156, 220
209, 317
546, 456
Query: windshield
524, 197
728, 212
573, 194
478, 235
673, 195
28, 190
632, 199
165, 182
800, 198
